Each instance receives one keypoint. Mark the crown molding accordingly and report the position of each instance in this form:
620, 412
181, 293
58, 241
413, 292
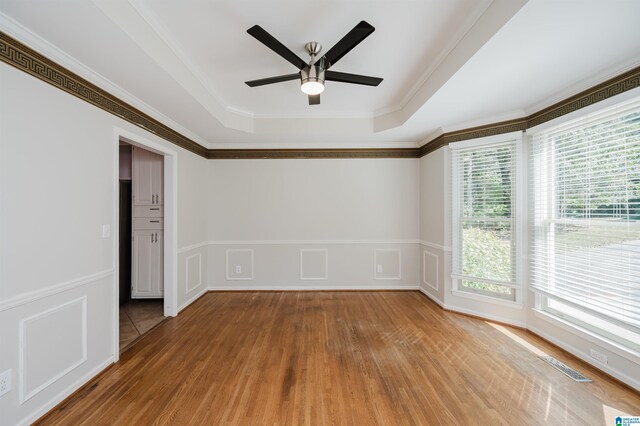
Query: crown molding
614, 86
24, 58
28, 60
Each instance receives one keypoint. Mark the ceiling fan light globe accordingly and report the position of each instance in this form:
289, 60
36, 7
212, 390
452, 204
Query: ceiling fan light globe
312, 87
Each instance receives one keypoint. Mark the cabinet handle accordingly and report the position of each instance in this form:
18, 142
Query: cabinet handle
154, 235
154, 209
153, 198
154, 221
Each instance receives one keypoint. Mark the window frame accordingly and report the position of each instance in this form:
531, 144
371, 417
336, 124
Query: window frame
624, 346
518, 220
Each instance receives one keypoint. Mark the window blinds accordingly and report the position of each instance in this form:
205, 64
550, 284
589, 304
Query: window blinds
585, 214
484, 219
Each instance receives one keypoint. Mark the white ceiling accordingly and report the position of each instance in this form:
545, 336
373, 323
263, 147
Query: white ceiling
446, 64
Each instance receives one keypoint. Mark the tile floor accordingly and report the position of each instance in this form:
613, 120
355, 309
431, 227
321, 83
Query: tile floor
137, 317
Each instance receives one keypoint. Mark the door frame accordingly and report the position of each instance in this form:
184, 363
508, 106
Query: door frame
170, 226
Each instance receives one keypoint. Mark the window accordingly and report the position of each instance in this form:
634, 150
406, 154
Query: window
484, 212
585, 222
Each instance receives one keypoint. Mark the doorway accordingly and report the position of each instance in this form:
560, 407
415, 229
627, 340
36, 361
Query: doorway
145, 252
141, 298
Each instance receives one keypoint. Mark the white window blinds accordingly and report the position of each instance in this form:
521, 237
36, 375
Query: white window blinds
585, 215
484, 255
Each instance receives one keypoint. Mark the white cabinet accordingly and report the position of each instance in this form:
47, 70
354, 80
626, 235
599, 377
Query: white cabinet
147, 178
147, 268
147, 264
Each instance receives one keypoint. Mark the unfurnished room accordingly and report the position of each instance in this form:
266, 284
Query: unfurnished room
356, 212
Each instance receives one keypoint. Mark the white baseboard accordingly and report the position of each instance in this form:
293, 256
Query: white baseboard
484, 315
298, 287
192, 299
586, 358
432, 297
65, 393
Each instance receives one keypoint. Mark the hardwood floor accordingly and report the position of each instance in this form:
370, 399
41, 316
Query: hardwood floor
356, 358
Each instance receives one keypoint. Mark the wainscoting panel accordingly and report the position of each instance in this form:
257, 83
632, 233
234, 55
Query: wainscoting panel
309, 265
387, 264
430, 268
239, 265
193, 268
64, 351
53, 340
314, 264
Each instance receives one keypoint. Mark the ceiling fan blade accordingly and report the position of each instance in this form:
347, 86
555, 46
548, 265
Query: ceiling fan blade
344, 77
314, 99
271, 80
272, 43
348, 42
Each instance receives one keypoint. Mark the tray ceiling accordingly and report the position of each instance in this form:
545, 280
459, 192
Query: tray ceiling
445, 64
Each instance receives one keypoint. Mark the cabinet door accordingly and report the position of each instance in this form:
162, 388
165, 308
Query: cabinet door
157, 177
147, 264
157, 255
143, 175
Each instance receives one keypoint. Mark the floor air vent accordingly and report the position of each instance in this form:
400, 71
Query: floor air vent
565, 369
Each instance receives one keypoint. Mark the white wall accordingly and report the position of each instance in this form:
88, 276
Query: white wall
348, 208
56, 271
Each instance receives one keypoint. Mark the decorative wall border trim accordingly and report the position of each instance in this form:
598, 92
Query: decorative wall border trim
54, 289
28, 60
323, 153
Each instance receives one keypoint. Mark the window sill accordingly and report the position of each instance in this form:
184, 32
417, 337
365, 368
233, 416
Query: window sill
487, 299
588, 335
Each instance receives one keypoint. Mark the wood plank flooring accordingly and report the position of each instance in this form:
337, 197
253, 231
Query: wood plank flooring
344, 358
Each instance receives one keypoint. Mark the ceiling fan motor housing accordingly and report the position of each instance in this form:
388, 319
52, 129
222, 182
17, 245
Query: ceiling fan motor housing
312, 73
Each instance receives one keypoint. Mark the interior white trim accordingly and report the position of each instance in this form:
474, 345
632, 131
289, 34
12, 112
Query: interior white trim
375, 263
424, 269
65, 393
323, 287
490, 317
488, 299
170, 259
586, 358
229, 278
186, 262
432, 297
23, 341
326, 265
193, 299
434, 245
593, 338
193, 247
32, 296
304, 242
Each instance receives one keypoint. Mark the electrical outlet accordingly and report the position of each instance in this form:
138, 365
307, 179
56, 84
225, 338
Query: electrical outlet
599, 356
379, 269
238, 269
5, 382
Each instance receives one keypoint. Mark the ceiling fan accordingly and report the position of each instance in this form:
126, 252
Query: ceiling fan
313, 74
